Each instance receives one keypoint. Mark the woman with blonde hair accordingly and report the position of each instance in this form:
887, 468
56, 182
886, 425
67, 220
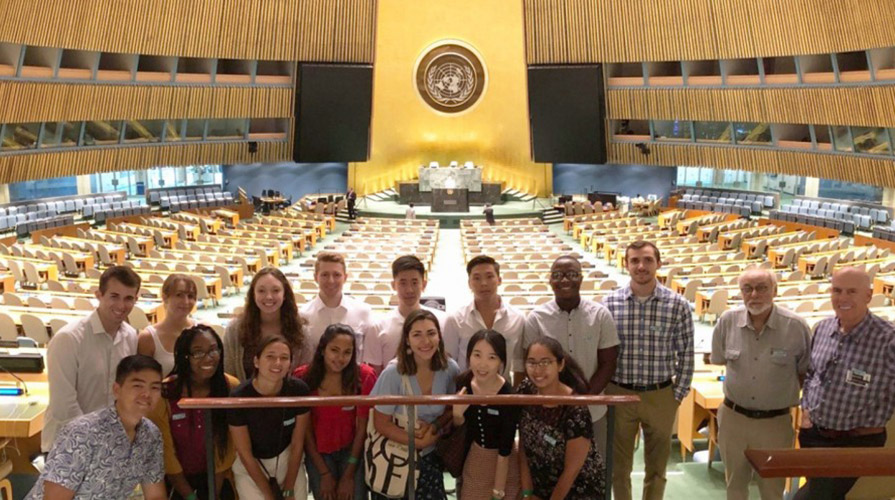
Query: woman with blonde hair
158, 340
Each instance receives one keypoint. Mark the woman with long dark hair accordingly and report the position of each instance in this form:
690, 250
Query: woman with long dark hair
335, 447
421, 358
197, 373
270, 441
270, 311
491, 469
558, 458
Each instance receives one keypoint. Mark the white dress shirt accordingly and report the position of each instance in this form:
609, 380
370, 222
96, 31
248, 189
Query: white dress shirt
464, 322
81, 363
388, 339
582, 332
352, 312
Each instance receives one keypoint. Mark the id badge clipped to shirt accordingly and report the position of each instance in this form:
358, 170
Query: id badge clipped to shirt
857, 378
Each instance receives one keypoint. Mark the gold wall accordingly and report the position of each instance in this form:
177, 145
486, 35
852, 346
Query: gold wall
407, 133
566, 31
25, 102
284, 30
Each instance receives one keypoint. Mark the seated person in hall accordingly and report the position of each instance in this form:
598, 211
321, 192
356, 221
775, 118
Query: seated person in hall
408, 282
82, 356
105, 454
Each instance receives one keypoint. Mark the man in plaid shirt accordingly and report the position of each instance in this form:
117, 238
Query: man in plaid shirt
655, 362
849, 394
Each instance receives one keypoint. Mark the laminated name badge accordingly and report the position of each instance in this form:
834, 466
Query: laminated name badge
857, 377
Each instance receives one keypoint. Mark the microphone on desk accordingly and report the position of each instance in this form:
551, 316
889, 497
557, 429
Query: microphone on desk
5, 391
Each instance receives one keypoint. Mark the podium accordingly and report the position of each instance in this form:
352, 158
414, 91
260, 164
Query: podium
450, 200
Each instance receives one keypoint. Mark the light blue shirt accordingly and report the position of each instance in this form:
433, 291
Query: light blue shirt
391, 384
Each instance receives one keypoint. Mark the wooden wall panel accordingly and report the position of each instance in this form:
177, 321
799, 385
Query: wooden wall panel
74, 102
23, 167
862, 106
579, 31
849, 168
285, 30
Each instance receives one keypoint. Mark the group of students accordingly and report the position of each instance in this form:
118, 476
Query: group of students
640, 341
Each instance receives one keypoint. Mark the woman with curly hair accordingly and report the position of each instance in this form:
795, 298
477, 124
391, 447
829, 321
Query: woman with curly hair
270, 311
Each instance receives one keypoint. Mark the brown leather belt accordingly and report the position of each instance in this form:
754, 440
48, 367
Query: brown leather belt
757, 414
856, 432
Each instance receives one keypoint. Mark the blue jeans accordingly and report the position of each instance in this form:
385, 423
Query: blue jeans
337, 462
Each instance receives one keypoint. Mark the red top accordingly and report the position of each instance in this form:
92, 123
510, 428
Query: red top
340, 422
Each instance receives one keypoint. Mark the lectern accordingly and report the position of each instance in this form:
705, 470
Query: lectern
450, 200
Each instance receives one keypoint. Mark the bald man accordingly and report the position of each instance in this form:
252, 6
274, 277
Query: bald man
764, 348
849, 393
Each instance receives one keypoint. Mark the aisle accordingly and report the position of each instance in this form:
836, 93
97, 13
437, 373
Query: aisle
447, 278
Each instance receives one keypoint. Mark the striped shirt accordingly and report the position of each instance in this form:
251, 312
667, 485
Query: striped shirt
851, 378
656, 337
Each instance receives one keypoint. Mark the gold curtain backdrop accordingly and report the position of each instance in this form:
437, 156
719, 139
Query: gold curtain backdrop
870, 106
579, 31
42, 165
278, 30
75, 102
406, 132
851, 168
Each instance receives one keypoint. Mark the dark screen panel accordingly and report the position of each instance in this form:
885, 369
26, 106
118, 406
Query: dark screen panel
332, 111
567, 114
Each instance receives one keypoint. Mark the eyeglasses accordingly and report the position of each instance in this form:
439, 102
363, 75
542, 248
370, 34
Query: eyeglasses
544, 363
762, 289
200, 355
571, 275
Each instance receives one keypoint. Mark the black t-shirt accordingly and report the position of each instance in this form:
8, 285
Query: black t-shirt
492, 427
269, 428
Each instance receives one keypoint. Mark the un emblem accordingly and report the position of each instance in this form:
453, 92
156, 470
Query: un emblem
450, 78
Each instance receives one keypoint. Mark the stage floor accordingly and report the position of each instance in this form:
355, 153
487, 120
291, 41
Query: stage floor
372, 208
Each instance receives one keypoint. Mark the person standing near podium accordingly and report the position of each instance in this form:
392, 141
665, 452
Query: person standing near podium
489, 214
765, 349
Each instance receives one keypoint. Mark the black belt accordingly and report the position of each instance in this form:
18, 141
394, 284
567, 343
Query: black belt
644, 388
754, 413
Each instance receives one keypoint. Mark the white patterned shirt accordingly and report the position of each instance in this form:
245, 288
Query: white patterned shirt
94, 458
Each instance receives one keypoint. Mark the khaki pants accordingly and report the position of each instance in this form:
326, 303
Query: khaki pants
248, 490
655, 414
736, 433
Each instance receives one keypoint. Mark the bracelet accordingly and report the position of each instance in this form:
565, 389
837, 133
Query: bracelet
528, 493
288, 493
353, 460
191, 496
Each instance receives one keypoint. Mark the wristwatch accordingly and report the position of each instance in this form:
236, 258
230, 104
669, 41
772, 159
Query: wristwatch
498, 494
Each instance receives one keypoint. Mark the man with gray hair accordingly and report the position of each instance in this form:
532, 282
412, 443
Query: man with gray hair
765, 349
850, 388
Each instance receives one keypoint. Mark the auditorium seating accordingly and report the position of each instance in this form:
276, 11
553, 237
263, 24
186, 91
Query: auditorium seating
840, 215
700, 199
187, 198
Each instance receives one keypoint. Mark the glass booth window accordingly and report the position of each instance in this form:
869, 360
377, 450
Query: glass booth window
712, 131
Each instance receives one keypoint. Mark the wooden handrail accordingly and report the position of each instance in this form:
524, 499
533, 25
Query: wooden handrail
823, 462
446, 399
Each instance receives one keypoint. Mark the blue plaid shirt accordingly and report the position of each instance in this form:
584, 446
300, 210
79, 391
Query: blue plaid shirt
851, 378
656, 338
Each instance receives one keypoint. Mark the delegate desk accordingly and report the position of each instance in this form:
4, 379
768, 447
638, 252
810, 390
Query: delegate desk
22, 417
7, 283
